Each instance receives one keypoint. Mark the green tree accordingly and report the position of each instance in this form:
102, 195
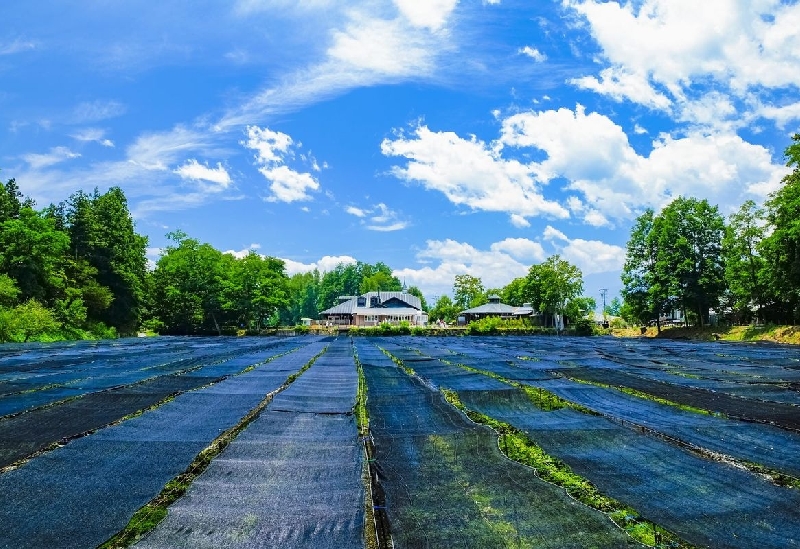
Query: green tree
468, 292
552, 285
781, 249
413, 290
255, 289
32, 253
188, 284
32, 319
444, 309
744, 266
8, 291
515, 292
102, 233
689, 234
613, 308
643, 292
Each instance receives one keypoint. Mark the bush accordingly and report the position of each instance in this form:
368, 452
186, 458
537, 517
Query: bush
584, 327
301, 329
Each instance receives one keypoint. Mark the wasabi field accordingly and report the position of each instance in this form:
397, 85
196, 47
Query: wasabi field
405, 442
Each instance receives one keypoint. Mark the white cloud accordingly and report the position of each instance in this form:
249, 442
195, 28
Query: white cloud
327, 263
520, 248
378, 218
591, 256
639, 130
201, 172
271, 147
358, 212
432, 14
594, 155
272, 151
534, 54
381, 47
505, 260
622, 84
519, 221
244, 252
782, 115
56, 155
93, 134
16, 46
288, 185
664, 52
470, 173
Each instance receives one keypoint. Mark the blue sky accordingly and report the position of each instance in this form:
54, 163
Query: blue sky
438, 136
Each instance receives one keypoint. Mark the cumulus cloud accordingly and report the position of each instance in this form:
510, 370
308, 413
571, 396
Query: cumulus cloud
273, 149
594, 155
657, 51
56, 155
244, 252
471, 173
358, 212
591, 256
195, 171
442, 260
325, 264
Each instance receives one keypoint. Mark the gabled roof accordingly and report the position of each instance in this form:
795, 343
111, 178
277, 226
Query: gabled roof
497, 308
350, 306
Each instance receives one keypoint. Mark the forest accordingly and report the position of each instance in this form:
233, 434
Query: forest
78, 269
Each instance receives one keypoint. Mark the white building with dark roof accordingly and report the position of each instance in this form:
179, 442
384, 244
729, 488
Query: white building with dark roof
374, 308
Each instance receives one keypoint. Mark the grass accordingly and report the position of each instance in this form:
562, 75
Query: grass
768, 332
517, 446
153, 512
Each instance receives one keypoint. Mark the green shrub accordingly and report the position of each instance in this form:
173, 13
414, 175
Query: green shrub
584, 327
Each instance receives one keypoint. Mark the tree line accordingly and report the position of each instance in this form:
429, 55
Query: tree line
745, 269
79, 269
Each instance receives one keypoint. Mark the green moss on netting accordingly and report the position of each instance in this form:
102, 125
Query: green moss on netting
517, 446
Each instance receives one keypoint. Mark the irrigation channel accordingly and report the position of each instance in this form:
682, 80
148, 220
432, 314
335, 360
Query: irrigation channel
403, 442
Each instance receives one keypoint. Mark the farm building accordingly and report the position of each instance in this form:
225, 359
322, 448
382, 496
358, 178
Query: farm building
495, 308
374, 308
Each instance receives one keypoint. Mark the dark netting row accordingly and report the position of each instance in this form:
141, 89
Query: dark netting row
22, 435
447, 485
329, 387
783, 415
92, 377
700, 371
763, 444
291, 479
705, 502
79, 495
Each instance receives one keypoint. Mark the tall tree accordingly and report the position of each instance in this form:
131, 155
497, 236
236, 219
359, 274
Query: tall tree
643, 293
552, 285
444, 309
689, 234
514, 293
255, 289
744, 266
188, 284
102, 233
468, 291
781, 249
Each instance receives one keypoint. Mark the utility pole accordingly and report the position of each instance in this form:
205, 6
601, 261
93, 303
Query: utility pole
603, 292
